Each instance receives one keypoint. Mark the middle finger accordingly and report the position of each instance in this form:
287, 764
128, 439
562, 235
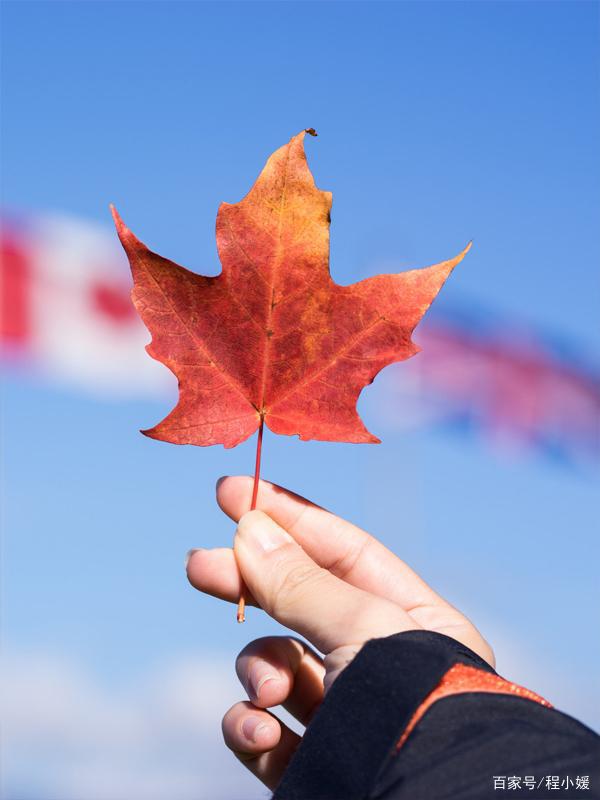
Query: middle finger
281, 670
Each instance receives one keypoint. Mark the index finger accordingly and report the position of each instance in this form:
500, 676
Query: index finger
335, 544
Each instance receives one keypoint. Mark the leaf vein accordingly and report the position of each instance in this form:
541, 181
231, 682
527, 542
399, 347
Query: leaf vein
200, 344
339, 354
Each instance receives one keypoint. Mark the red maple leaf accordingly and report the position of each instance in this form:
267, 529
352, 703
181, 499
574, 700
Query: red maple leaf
273, 339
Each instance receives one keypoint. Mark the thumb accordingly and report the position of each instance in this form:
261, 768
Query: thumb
303, 596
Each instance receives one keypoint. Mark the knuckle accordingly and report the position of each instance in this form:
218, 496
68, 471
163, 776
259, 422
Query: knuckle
296, 577
294, 583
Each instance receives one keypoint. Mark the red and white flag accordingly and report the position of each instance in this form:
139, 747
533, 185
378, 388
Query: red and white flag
65, 308
514, 386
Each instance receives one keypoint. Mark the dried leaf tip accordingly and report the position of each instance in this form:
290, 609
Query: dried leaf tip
125, 235
311, 131
115, 215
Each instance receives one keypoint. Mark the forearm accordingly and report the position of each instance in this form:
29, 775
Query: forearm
420, 716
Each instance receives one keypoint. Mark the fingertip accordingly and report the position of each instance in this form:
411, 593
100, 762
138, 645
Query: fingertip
259, 732
215, 572
266, 668
266, 685
234, 493
224, 479
197, 565
273, 692
189, 555
250, 730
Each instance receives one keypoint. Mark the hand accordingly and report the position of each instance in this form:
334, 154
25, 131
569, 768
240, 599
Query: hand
327, 580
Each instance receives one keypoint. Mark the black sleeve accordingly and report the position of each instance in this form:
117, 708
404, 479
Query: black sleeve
466, 746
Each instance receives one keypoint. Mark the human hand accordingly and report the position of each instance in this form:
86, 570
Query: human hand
323, 578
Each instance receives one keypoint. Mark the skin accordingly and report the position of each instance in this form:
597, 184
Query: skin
328, 581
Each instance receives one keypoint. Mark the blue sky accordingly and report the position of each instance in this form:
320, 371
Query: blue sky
438, 123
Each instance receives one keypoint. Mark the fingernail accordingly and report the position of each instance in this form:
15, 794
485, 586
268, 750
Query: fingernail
255, 728
261, 531
189, 554
259, 674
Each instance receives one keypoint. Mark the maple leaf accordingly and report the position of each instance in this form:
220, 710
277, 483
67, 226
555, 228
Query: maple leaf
273, 339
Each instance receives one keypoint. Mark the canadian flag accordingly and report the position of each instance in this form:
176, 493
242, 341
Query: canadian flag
65, 308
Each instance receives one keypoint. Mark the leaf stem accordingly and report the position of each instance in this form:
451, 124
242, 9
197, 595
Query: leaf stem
241, 609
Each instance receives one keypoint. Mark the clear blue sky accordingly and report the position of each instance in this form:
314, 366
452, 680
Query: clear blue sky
438, 123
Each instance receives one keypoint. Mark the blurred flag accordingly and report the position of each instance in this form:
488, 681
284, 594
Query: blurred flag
493, 376
65, 308
65, 311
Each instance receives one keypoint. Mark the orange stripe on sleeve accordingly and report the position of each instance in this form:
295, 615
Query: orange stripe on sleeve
460, 679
